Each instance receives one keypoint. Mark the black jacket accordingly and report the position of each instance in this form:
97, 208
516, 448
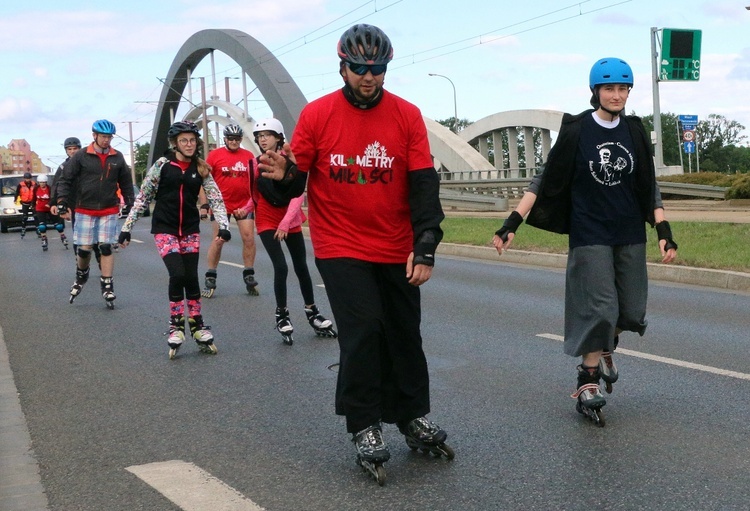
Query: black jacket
552, 209
176, 211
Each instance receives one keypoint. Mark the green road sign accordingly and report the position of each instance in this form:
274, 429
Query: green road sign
680, 55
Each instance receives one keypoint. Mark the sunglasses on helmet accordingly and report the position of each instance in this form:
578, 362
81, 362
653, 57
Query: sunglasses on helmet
362, 69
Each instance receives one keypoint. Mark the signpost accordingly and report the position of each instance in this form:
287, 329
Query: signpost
689, 123
678, 60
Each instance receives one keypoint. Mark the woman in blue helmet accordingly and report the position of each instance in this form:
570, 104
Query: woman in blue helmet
599, 187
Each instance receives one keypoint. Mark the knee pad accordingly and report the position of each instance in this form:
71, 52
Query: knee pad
105, 249
41, 228
84, 254
60, 227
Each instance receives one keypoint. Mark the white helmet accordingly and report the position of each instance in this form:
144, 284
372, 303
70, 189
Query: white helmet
269, 124
42, 178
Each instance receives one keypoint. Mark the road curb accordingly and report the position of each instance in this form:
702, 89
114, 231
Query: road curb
720, 279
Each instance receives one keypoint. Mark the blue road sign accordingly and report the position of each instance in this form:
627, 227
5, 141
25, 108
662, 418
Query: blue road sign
689, 147
688, 119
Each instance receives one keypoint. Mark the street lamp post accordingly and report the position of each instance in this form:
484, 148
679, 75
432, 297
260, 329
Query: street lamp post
455, 106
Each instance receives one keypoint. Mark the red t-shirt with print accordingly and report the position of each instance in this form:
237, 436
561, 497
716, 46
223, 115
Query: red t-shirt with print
358, 163
231, 171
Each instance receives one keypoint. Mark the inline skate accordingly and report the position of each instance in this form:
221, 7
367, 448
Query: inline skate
425, 435
372, 452
323, 327
45, 244
248, 276
82, 276
64, 240
284, 325
176, 335
210, 285
108, 291
589, 396
202, 335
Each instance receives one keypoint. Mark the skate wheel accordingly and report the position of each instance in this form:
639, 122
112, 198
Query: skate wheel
288, 340
608, 387
111, 305
207, 293
172, 353
253, 291
599, 418
71, 299
380, 475
446, 451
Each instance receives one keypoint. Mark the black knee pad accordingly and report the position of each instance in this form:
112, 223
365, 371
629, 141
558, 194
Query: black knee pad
105, 249
84, 254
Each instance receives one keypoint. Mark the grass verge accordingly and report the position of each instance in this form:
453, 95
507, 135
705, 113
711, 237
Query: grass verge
723, 246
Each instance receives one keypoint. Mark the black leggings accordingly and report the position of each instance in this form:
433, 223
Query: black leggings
295, 242
183, 276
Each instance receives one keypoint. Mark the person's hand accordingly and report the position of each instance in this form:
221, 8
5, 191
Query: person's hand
273, 164
239, 214
417, 274
63, 211
204, 209
53, 210
224, 236
501, 245
667, 245
123, 239
280, 235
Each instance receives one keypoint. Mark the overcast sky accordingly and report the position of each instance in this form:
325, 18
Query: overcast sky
66, 65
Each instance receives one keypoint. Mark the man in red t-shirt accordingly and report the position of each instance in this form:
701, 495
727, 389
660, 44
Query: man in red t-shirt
230, 168
375, 218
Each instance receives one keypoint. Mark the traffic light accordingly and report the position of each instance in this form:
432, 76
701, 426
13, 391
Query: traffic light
680, 55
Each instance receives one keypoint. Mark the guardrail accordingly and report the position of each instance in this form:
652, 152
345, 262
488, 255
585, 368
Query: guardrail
514, 188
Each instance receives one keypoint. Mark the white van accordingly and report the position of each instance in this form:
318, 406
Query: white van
10, 213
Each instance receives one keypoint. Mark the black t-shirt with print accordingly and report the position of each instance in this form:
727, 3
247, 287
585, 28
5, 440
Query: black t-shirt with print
605, 210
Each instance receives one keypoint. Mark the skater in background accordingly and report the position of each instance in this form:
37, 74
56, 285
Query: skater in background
72, 145
230, 168
25, 198
89, 184
280, 219
375, 215
174, 182
42, 213
599, 187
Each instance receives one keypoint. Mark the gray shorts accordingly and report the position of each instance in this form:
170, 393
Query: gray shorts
605, 288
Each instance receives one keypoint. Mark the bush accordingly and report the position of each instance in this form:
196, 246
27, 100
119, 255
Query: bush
740, 189
702, 178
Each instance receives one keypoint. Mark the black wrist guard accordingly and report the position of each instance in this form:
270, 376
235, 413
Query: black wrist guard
62, 209
225, 234
205, 206
511, 224
664, 232
291, 171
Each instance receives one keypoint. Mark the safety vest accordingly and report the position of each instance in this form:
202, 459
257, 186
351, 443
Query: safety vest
27, 192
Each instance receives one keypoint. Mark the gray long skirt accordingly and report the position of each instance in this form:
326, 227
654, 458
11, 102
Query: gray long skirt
605, 288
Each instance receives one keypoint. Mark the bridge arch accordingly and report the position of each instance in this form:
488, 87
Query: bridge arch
273, 81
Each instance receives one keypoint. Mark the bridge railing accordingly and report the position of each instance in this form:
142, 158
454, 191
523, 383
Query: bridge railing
486, 183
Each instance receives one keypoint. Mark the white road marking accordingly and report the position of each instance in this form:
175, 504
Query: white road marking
192, 488
666, 360
232, 264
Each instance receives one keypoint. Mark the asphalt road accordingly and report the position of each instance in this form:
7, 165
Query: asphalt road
101, 398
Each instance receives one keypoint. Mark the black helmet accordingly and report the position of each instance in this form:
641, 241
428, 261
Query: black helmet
27, 175
182, 127
365, 44
71, 142
233, 130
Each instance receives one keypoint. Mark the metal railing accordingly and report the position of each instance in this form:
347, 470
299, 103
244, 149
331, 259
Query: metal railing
471, 184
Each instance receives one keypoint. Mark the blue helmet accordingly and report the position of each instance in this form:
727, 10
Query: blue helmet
104, 127
610, 70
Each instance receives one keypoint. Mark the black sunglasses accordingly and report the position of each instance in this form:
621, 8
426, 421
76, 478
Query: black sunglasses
362, 69
235, 139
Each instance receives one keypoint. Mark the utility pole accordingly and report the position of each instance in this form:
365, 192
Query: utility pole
659, 149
